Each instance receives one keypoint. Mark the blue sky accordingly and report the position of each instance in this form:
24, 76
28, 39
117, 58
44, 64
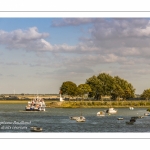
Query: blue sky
38, 54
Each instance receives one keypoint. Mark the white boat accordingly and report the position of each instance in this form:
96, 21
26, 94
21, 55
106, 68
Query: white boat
120, 118
36, 104
101, 113
111, 111
76, 118
80, 119
131, 108
36, 129
146, 114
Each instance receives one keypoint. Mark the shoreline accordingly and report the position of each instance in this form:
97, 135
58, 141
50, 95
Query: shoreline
100, 107
85, 104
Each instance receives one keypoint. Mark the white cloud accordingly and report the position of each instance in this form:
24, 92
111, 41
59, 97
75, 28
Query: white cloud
72, 22
19, 39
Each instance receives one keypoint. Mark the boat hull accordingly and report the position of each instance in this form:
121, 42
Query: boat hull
36, 129
34, 110
111, 111
80, 120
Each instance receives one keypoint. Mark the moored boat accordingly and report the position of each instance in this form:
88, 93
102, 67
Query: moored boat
75, 118
132, 120
36, 104
36, 129
111, 111
80, 119
146, 114
101, 113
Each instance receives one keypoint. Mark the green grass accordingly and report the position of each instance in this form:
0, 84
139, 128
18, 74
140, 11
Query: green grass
13, 101
85, 104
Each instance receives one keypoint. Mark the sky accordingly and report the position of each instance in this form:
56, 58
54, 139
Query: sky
38, 54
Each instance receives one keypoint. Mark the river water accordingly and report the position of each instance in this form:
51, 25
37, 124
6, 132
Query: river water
14, 119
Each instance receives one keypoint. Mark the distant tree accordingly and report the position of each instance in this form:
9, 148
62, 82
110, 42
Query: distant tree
83, 89
146, 94
107, 83
96, 87
69, 88
122, 89
117, 93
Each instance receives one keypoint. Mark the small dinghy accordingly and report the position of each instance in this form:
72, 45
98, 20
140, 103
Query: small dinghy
35, 129
80, 119
101, 113
132, 120
111, 111
146, 114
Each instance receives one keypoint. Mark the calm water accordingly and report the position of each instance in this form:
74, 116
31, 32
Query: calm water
13, 118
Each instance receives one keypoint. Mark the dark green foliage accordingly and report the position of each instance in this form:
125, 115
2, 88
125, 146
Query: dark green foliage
69, 88
146, 94
100, 86
104, 84
83, 89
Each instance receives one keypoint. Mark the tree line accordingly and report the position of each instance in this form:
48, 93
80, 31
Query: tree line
98, 86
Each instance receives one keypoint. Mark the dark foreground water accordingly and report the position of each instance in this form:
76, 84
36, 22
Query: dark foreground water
13, 118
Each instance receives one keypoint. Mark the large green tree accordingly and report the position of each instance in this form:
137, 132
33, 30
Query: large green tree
96, 87
83, 89
107, 83
101, 85
68, 88
122, 89
146, 94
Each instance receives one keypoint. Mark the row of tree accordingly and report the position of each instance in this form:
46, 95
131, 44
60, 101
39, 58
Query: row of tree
98, 86
116, 87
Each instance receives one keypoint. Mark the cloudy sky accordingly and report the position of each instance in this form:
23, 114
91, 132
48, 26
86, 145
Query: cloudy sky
38, 54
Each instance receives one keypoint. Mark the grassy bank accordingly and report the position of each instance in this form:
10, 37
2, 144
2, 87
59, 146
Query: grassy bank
85, 104
13, 101
98, 104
